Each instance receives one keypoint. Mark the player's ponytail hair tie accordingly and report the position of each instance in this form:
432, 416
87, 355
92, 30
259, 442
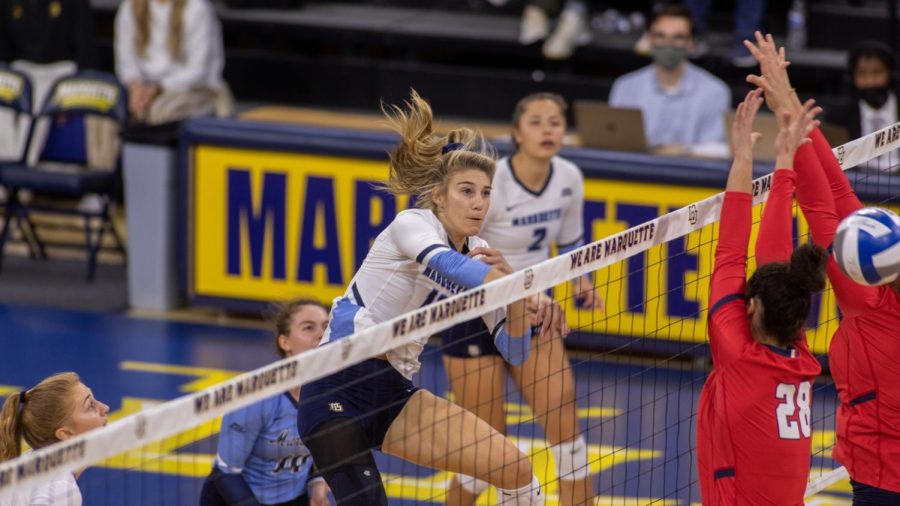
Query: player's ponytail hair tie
22, 400
453, 146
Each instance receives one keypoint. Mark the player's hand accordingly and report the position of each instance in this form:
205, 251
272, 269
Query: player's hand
743, 138
318, 493
793, 132
136, 100
584, 288
492, 257
773, 78
547, 313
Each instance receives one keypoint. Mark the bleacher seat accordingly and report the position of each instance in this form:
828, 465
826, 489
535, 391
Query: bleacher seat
15, 114
74, 150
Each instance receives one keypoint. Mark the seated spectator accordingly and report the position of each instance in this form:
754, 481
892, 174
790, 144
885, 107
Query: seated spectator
683, 105
874, 105
871, 67
46, 40
170, 56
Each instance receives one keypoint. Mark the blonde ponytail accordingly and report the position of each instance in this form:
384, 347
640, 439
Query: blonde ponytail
423, 161
46, 408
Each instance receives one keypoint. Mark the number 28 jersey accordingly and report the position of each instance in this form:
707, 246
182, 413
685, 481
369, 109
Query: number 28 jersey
522, 223
753, 424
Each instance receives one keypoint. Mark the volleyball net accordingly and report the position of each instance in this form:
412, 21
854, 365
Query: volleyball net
639, 366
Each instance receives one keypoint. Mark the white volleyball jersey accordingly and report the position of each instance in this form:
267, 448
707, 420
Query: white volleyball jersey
395, 278
522, 223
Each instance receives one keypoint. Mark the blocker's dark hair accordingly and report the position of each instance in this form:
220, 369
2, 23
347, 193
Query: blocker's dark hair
785, 290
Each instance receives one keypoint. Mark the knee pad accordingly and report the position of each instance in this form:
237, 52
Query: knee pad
529, 495
571, 459
355, 484
472, 485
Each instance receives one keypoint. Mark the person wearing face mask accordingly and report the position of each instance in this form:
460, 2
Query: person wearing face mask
874, 105
683, 105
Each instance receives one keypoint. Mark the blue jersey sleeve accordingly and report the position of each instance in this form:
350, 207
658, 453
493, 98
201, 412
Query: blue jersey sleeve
459, 268
238, 436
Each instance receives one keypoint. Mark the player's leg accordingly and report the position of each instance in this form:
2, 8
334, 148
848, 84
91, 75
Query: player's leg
548, 385
335, 418
477, 384
434, 432
340, 449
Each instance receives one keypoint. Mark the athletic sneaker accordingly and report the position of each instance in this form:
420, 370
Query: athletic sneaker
535, 25
571, 31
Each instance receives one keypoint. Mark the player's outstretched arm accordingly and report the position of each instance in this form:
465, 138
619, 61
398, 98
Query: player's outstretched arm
780, 97
845, 199
774, 243
729, 330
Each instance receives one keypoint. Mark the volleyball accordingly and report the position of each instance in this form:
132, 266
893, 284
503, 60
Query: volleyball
867, 246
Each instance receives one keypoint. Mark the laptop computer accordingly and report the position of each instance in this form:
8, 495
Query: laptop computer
764, 123
767, 125
602, 126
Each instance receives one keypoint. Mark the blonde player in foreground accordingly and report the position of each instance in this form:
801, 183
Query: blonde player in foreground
418, 259
539, 202
58, 408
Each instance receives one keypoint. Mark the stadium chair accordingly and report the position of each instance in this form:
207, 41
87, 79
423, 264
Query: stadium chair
15, 128
65, 160
15, 114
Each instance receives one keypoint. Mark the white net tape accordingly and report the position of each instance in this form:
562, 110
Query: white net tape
172, 417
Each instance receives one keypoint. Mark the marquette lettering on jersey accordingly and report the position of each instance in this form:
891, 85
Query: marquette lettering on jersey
261, 442
411, 264
523, 223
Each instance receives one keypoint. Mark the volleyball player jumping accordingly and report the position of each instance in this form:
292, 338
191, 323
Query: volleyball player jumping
419, 258
753, 427
864, 354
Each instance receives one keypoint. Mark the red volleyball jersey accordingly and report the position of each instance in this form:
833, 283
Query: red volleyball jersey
753, 423
865, 351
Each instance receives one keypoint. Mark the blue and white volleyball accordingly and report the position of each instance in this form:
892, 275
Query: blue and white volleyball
867, 246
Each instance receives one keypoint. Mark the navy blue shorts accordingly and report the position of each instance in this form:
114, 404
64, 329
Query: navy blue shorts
372, 393
866, 495
468, 339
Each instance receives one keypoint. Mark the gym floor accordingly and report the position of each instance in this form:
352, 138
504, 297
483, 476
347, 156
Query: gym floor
638, 417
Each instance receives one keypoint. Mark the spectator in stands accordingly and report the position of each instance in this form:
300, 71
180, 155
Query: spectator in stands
572, 27
747, 20
58, 408
170, 56
874, 106
46, 40
683, 105
874, 102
